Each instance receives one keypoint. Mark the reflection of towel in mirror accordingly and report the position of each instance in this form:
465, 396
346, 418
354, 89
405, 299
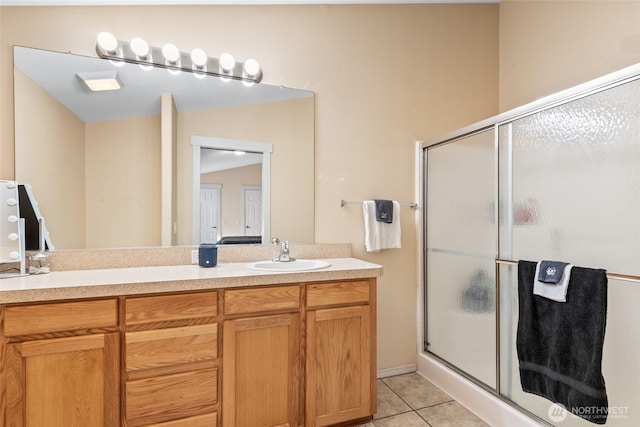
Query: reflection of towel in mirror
380, 235
559, 346
384, 210
554, 291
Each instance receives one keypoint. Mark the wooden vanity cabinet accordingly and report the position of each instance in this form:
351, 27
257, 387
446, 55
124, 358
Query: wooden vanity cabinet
170, 365
340, 352
315, 340
289, 355
61, 363
261, 356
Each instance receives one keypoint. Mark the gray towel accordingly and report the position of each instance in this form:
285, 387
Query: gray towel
551, 271
384, 210
559, 345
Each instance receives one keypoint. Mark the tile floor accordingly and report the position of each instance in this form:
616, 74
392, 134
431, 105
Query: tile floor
410, 400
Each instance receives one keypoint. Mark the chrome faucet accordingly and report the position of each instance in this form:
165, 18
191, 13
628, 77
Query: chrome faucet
284, 253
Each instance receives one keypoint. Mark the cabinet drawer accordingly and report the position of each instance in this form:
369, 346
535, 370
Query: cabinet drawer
171, 397
257, 300
171, 307
173, 346
207, 420
324, 294
67, 316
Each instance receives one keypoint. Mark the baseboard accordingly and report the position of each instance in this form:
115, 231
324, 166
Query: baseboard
390, 372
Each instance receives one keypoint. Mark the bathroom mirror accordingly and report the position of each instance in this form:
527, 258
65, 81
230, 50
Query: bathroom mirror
114, 169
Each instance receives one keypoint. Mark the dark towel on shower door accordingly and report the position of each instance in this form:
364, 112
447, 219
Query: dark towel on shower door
559, 344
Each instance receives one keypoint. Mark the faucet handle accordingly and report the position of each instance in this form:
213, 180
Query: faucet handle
275, 241
284, 253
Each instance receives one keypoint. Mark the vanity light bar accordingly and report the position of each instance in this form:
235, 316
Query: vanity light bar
137, 51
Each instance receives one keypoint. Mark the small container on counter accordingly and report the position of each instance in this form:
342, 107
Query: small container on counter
39, 263
207, 255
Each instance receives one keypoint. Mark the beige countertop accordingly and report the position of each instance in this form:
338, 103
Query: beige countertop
75, 284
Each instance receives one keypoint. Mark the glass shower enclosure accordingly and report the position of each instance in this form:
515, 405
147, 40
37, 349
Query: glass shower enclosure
461, 244
557, 180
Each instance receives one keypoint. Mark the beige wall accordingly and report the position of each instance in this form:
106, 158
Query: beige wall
123, 180
53, 136
548, 46
384, 76
400, 74
169, 170
232, 181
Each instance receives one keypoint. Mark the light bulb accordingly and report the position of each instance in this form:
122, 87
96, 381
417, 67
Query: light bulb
199, 57
171, 53
227, 63
139, 47
251, 67
107, 42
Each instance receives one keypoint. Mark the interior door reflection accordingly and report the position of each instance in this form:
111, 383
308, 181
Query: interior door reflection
252, 211
209, 213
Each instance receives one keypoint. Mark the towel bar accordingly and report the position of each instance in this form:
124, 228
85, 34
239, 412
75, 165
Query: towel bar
410, 204
616, 276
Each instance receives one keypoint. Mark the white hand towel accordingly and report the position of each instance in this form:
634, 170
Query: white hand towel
553, 291
380, 235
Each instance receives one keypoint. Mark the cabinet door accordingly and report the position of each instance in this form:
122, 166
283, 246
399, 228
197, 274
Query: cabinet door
261, 371
64, 382
338, 365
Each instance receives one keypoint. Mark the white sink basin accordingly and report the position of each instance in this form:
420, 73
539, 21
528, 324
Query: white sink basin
297, 265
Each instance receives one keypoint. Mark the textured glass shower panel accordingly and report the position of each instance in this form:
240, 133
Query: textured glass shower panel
575, 186
460, 254
570, 187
